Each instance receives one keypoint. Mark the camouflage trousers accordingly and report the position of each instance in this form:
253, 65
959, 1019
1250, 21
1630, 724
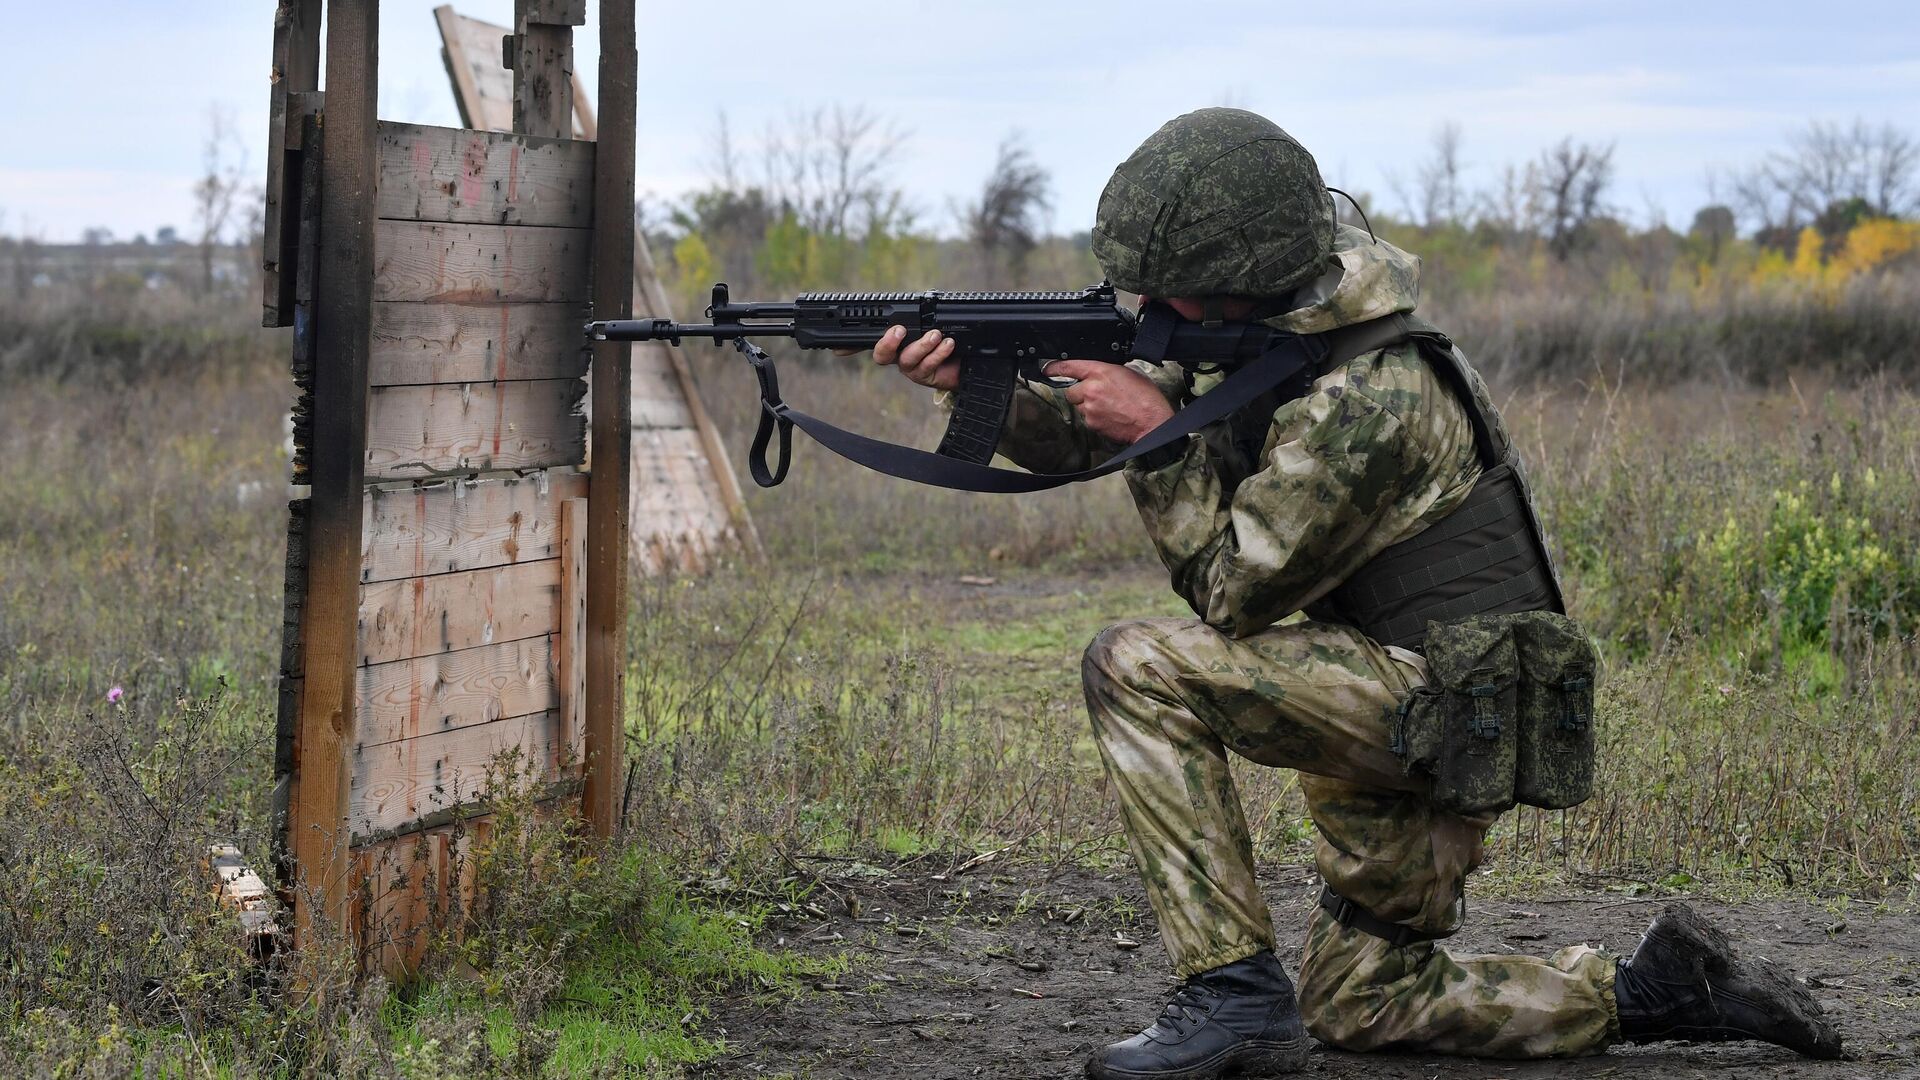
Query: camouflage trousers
1168, 699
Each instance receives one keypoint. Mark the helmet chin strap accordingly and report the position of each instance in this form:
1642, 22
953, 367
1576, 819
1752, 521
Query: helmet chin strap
1356, 209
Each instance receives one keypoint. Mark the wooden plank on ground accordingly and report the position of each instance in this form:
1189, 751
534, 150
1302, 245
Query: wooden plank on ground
418, 432
488, 178
480, 264
438, 528
572, 644
454, 343
398, 783
428, 694
427, 615
612, 409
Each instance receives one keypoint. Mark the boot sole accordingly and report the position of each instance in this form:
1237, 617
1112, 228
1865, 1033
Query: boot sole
1684, 933
1250, 1059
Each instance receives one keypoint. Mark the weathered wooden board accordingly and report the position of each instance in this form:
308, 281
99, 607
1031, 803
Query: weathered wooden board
419, 432
426, 615
680, 518
408, 885
453, 343
398, 783
571, 662
659, 401
483, 88
428, 694
481, 177
450, 525
480, 264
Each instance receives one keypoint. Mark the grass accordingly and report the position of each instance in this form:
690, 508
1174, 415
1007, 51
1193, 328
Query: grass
1748, 557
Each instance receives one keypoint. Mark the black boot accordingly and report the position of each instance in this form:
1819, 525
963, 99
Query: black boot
1686, 982
1240, 1017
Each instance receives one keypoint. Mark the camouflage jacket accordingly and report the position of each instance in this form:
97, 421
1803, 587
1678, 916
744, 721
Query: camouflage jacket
1374, 453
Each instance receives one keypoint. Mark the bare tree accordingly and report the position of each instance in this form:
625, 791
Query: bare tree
223, 163
1829, 174
1436, 197
829, 166
1572, 180
1007, 222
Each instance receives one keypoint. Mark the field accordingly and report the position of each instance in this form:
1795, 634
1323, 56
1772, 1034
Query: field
864, 826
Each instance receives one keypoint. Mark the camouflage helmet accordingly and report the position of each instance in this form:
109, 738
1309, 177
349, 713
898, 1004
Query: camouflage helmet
1217, 202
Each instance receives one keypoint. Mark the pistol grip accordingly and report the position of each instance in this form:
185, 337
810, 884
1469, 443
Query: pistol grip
979, 409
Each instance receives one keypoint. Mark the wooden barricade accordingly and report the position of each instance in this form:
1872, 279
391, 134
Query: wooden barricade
688, 510
455, 586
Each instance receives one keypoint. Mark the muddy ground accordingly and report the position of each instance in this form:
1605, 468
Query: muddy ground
1019, 971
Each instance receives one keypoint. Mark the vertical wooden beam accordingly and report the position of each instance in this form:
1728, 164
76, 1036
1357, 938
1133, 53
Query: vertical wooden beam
570, 654
296, 70
540, 52
611, 449
342, 344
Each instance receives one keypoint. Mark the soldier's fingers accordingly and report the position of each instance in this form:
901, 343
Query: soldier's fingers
887, 349
930, 370
1077, 369
918, 353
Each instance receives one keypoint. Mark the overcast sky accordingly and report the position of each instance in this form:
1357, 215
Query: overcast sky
104, 104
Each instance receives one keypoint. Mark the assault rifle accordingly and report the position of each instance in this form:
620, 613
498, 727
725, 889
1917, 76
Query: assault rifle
999, 339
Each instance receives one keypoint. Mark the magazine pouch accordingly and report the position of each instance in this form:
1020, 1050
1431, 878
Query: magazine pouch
1554, 764
1461, 729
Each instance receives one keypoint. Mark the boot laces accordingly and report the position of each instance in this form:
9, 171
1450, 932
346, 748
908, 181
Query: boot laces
1190, 1007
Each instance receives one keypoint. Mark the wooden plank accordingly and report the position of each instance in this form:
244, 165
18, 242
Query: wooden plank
571, 646
457, 175
397, 783
455, 343
427, 694
611, 450
318, 813
679, 520
653, 297
482, 86
411, 886
296, 69
657, 398
399, 620
480, 264
542, 53
452, 525
416, 432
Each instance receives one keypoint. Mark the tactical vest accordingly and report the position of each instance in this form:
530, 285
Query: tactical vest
1489, 556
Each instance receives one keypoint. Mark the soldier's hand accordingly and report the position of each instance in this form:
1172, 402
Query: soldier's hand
927, 359
1115, 401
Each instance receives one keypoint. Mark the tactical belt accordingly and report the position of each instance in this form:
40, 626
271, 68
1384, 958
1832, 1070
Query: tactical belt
1354, 917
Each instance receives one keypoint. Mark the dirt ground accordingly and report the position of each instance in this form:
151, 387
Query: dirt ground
1018, 972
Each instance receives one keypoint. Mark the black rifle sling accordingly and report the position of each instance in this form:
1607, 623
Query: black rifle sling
1306, 354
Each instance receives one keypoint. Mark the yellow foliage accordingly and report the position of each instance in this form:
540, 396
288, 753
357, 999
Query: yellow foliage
1875, 242
1806, 254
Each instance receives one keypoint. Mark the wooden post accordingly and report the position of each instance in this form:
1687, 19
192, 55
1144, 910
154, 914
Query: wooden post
330, 618
611, 449
296, 70
540, 53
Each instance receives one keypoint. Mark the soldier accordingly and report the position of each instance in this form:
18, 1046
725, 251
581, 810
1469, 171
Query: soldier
1290, 508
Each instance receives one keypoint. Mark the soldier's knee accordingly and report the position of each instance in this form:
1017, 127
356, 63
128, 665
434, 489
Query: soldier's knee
1115, 654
